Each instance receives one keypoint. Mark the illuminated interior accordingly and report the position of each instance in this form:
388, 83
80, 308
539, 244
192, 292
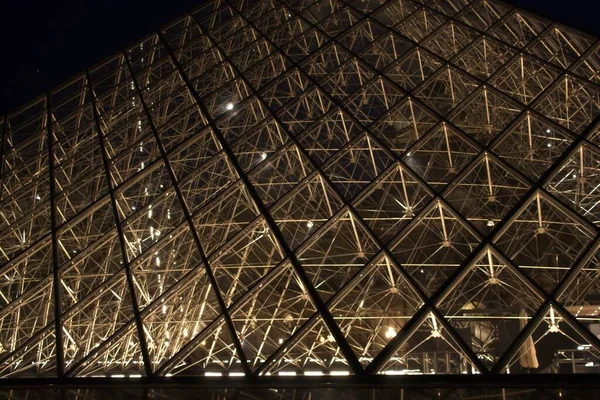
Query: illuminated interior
310, 188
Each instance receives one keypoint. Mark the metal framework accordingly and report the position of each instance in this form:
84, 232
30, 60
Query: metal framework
313, 189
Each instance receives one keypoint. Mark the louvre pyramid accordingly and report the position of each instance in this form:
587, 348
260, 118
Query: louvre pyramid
313, 188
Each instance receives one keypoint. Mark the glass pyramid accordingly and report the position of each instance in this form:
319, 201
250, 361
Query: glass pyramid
310, 188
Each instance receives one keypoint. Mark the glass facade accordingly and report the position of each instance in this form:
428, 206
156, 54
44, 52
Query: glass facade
310, 188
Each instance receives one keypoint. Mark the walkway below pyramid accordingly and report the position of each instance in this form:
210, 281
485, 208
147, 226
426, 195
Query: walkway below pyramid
357, 193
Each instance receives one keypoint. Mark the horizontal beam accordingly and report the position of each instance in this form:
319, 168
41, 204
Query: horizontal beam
545, 381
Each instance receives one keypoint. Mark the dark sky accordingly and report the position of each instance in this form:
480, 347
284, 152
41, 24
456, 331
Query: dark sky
43, 43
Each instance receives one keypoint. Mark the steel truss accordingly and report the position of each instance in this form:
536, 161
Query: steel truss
310, 188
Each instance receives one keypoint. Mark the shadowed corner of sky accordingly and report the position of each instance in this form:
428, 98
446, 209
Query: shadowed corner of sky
44, 43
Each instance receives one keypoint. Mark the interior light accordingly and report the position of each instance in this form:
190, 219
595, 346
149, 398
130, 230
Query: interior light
213, 373
263, 155
309, 224
313, 373
390, 333
340, 373
229, 106
548, 130
287, 373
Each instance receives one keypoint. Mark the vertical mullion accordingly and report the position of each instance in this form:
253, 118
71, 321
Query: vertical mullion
121, 235
60, 367
213, 281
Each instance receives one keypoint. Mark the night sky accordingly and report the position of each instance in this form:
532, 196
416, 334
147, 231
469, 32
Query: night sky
44, 43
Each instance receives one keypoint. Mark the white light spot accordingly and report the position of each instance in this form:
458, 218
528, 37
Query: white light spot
229, 106
390, 333
309, 224
263, 155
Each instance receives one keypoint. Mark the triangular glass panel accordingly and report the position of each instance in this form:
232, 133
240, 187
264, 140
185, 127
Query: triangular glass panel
486, 192
441, 155
525, 78
304, 210
518, 28
485, 109
220, 220
391, 202
314, 351
361, 35
164, 264
89, 269
485, 304
485, 56
482, 14
24, 317
310, 107
285, 89
394, 11
111, 307
555, 346
580, 295
205, 183
572, 102
561, 46
118, 357
329, 135
279, 173
544, 240
340, 21
532, 144
152, 223
413, 68
403, 125
373, 100
244, 260
434, 246
265, 139
447, 41
26, 271
179, 316
387, 48
243, 117
374, 307
85, 230
325, 61
210, 354
347, 79
351, 169
588, 65
35, 359
270, 314
430, 349
446, 89
420, 24
576, 183
448, 7
194, 152
336, 253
